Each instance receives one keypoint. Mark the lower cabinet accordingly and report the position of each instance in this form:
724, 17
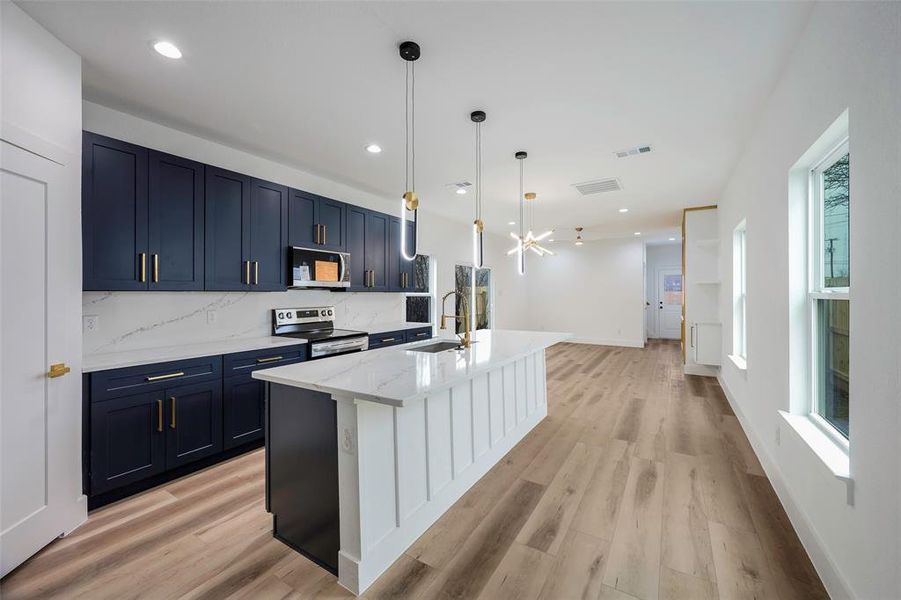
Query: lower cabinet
243, 400
136, 437
195, 423
148, 424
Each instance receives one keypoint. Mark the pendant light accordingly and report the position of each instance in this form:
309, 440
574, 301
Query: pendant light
531, 241
578, 236
478, 227
519, 250
409, 51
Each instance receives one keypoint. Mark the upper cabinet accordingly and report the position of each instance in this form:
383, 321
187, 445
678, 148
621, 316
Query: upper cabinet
114, 214
246, 232
176, 223
153, 221
227, 230
142, 218
316, 222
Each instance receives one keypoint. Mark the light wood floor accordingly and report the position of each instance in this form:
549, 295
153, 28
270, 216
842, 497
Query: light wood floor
639, 484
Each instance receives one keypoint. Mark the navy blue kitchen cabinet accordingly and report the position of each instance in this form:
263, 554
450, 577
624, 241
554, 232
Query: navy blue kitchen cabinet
227, 230
243, 397
114, 214
194, 423
128, 440
316, 222
420, 333
376, 250
175, 261
355, 227
246, 230
268, 235
387, 338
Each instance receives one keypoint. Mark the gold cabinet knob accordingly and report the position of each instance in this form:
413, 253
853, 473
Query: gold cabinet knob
58, 370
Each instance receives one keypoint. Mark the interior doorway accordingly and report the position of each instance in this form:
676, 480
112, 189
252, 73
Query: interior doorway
664, 290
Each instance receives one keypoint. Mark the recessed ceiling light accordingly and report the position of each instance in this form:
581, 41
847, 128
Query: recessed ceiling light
512, 223
637, 233
672, 239
167, 49
624, 210
551, 240
578, 242
461, 191
373, 148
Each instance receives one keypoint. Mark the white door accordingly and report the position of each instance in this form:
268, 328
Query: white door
669, 303
40, 314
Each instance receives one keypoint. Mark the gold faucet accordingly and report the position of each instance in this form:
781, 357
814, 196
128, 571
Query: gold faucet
466, 338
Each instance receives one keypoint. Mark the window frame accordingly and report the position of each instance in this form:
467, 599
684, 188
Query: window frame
740, 291
816, 288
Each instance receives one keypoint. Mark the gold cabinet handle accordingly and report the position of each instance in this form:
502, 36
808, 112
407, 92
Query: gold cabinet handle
172, 422
247, 272
143, 259
159, 415
325, 234
156, 268
58, 370
256, 272
166, 376
270, 359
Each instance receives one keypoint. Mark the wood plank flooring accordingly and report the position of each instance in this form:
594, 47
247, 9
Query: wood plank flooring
639, 484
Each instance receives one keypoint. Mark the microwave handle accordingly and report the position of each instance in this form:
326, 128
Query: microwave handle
343, 267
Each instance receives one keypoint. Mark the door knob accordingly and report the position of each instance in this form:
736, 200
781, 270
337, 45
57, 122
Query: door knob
58, 370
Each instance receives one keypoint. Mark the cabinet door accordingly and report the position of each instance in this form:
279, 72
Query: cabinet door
395, 260
114, 214
268, 235
193, 422
302, 219
227, 231
356, 247
376, 250
242, 405
176, 223
331, 216
127, 440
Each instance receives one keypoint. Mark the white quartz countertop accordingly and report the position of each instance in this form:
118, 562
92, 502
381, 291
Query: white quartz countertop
147, 356
395, 375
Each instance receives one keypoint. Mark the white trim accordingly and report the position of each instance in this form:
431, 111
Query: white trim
606, 342
835, 582
739, 363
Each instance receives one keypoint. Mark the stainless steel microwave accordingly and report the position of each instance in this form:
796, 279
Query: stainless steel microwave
315, 268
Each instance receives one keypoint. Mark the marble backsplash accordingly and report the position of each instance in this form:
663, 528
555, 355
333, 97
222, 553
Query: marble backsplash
138, 320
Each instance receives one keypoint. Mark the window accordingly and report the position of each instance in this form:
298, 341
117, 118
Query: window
740, 294
830, 287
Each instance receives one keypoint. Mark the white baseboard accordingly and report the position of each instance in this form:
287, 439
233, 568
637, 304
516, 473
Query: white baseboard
832, 579
702, 370
606, 342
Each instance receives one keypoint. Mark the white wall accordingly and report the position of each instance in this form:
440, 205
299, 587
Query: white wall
132, 320
658, 256
849, 57
594, 291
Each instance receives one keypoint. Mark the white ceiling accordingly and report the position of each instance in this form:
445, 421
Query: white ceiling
309, 84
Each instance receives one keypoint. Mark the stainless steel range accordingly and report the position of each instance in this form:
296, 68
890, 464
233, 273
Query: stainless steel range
317, 326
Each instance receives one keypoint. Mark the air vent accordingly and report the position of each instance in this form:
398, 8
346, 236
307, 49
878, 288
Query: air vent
597, 187
633, 151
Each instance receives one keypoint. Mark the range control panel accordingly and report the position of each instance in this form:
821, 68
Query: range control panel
296, 316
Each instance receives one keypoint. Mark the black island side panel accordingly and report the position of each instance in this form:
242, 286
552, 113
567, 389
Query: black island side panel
302, 460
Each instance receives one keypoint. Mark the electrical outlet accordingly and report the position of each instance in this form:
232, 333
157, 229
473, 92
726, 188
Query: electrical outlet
210, 317
90, 322
347, 441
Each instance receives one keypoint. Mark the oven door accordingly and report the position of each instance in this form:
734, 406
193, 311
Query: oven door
342, 346
313, 268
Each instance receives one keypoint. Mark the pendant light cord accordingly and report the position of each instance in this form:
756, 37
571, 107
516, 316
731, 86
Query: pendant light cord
521, 201
413, 125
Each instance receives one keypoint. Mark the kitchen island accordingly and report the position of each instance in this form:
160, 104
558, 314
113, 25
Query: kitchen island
365, 451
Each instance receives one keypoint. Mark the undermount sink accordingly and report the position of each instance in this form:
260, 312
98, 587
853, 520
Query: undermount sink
437, 347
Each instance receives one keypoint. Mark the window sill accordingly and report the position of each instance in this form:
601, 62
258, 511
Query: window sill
830, 453
740, 363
